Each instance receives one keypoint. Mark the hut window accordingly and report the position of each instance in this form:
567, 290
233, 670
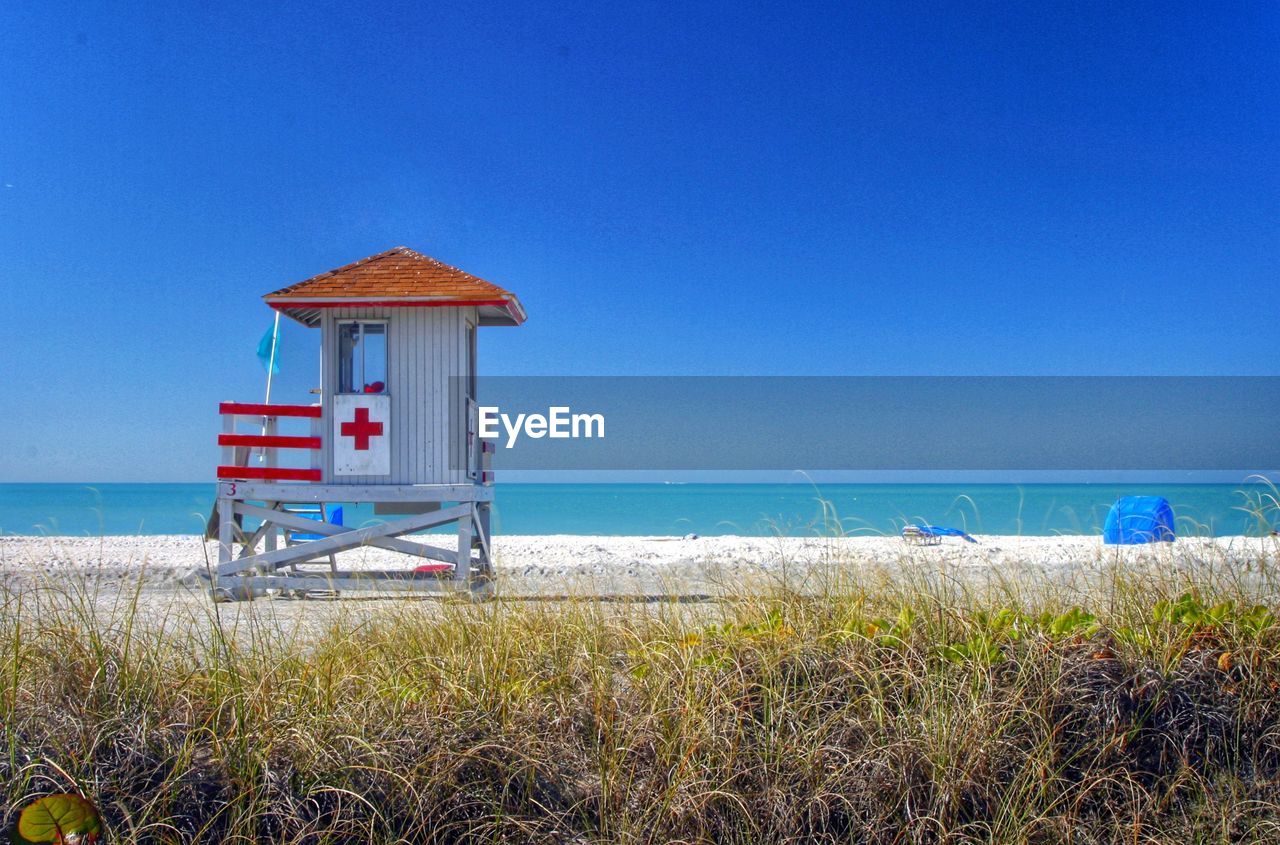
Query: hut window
362, 357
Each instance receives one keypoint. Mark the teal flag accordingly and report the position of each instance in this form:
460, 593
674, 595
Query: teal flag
265, 346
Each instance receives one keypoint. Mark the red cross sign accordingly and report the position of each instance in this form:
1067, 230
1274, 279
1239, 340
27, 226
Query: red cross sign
362, 435
361, 428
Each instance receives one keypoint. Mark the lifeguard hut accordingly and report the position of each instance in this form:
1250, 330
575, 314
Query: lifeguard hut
395, 426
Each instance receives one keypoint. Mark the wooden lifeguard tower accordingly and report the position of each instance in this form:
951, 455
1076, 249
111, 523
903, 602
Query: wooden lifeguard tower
396, 426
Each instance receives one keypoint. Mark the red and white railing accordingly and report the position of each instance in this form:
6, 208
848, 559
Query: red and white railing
237, 449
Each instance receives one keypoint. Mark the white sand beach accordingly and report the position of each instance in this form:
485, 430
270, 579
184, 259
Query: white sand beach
553, 565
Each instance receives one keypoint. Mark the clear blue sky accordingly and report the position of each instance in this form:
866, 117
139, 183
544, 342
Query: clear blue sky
735, 188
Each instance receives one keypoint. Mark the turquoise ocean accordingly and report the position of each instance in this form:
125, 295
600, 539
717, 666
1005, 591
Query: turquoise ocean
677, 509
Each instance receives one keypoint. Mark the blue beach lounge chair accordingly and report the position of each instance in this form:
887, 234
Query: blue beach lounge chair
292, 537
931, 535
335, 518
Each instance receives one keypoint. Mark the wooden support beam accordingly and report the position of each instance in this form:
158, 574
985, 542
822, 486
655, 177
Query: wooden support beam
482, 532
349, 538
462, 571
226, 525
249, 545
426, 584
365, 575
294, 522
257, 491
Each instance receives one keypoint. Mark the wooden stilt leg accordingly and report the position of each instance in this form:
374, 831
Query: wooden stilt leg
483, 538
462, 571
482, 519
226, 529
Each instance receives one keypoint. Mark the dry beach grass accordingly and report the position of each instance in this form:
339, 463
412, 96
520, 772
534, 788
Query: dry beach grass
1129, 698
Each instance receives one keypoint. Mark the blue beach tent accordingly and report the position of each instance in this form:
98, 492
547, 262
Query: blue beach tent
1139, 519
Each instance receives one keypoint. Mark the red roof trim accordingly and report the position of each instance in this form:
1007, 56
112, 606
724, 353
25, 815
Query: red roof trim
291, 304
383, 303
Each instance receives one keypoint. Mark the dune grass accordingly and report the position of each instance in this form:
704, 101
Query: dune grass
872, 706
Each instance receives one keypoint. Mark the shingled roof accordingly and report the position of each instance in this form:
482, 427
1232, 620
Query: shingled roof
397, 278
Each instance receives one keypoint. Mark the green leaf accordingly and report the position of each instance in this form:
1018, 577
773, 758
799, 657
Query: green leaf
1004, 619
1222, 611
1256, 619
1132, 636
957, 653
64, 819
977, 649
1073, 621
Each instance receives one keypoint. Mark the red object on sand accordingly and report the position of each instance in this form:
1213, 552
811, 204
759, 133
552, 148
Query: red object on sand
431, 568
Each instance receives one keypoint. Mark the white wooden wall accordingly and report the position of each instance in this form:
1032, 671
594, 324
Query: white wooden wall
425, 347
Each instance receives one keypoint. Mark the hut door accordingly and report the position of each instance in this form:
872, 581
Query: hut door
362, 407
